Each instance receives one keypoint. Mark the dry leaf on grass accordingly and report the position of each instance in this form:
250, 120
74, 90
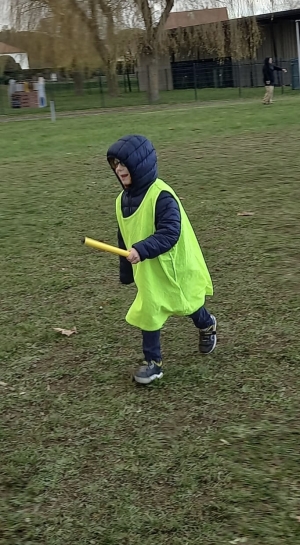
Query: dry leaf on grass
3, 383
245, 213
67, 332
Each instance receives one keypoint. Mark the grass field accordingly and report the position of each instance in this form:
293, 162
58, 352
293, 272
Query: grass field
66, 100
208, 456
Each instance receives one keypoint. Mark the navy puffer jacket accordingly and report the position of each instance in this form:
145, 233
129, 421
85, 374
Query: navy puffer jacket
139, 156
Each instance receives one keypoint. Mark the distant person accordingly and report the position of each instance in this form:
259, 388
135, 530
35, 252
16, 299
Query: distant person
11, 87
269, 79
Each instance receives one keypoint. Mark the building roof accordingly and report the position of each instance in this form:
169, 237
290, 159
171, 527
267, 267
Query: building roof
6, 49
183, 19
291, 14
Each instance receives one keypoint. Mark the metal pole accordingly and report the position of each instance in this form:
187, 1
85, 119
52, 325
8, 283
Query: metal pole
240, 85
298, 48
195, 81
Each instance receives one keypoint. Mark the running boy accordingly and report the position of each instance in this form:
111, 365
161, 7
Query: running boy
165, 260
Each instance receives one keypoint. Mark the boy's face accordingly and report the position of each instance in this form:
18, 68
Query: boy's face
123, 173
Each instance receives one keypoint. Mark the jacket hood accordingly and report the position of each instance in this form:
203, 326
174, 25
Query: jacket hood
137, 153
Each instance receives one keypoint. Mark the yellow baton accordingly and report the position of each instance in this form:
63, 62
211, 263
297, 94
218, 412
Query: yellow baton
104, 247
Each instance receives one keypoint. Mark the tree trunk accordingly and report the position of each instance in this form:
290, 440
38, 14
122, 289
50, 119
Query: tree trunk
153, 80
78, 82
112, 79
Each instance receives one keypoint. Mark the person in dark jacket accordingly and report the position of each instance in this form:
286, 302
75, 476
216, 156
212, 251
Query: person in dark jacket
269, 79
165, 259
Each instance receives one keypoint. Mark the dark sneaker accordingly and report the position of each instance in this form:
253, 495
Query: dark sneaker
208, 338
148, 373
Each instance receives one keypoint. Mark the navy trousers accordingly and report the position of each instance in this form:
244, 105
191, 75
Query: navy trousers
151, 339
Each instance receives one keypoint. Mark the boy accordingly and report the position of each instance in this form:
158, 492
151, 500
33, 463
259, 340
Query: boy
165, 259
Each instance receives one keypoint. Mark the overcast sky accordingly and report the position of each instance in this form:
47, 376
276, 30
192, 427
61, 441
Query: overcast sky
4, 19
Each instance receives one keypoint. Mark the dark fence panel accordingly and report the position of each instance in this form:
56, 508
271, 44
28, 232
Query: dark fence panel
223, 74
203, 74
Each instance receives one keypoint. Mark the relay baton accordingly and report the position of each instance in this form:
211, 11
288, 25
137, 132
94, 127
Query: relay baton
104, 247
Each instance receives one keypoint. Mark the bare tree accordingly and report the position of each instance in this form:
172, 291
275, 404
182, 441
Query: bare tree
271, 6
153, 16
97, 20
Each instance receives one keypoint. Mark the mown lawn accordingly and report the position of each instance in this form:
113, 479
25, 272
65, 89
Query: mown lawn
208, 456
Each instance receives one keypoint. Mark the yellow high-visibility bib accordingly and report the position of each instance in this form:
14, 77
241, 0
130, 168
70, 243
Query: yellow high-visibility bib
174, 283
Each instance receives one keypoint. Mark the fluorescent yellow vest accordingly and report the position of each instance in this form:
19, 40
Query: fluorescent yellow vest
174, 283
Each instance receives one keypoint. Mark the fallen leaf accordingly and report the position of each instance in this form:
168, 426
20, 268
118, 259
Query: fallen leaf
245, 213
67, 332
3, 383
297, 519
238, 540
224, 442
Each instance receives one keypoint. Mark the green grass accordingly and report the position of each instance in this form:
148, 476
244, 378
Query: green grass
66, 100
208, 456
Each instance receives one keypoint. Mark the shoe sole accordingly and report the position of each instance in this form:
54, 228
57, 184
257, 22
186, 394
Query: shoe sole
146, 381
215, 338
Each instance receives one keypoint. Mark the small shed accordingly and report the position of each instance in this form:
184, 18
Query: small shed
18, 55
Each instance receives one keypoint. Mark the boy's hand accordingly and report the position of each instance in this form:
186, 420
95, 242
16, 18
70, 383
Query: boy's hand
134, 257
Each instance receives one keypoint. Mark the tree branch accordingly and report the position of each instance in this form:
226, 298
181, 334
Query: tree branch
163, 18
146, 12
91, 24
106, 9
111, 39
